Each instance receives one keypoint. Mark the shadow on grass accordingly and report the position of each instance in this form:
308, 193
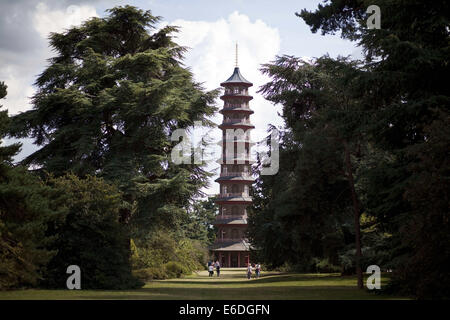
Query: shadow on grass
248, 293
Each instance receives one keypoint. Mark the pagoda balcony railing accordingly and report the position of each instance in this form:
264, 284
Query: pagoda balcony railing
231, 216
232, 194
236, 106
236, 92
233, 121
240, 174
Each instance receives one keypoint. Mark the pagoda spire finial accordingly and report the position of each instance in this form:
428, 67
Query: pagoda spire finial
236, 55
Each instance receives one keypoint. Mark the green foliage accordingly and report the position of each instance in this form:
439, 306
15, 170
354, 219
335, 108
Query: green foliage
324, 266
155, 251
25, 212
171, 269
105, 108
387, 119
174, 269
199, 223
427, 230
163, 252
91, 235
304, 213
107, 105
148, 274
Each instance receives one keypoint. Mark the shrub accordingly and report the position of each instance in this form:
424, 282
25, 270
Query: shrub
175, 269
324, 265
148, 274
162, 249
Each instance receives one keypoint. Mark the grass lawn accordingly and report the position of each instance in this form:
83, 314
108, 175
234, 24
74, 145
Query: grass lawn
232, 285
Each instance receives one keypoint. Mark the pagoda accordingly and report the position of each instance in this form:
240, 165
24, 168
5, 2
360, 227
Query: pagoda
231, 247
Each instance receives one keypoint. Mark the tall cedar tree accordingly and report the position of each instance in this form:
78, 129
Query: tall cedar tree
407, 69
107, 104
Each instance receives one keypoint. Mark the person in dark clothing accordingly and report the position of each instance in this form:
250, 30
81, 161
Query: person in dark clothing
217, 264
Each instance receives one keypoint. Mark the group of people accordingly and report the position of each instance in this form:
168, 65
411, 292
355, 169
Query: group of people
211, 266
250, 267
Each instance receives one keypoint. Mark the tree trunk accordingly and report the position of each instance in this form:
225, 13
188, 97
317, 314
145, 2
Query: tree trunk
358, 254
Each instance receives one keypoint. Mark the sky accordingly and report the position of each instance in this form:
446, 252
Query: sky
209, 28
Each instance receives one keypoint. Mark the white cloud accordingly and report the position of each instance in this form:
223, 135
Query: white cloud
20, 69
46, 20
212, 56
18, 97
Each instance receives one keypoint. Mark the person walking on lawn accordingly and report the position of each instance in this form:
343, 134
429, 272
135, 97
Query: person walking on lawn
211, 270
257, 270
218, 268
249, 271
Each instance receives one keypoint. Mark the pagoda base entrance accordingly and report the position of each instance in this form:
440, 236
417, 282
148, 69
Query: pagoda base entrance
232, 259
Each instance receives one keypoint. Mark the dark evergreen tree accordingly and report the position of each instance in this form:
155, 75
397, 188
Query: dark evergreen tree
300, 216
326, 122
90, 236
389, 113
407, 191
107, 105
25, 212
198, 226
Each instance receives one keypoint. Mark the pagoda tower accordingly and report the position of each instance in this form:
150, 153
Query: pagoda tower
231, 247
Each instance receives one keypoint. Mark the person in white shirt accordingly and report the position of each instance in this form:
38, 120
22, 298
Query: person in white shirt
211, 270
257, 270
249, 271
